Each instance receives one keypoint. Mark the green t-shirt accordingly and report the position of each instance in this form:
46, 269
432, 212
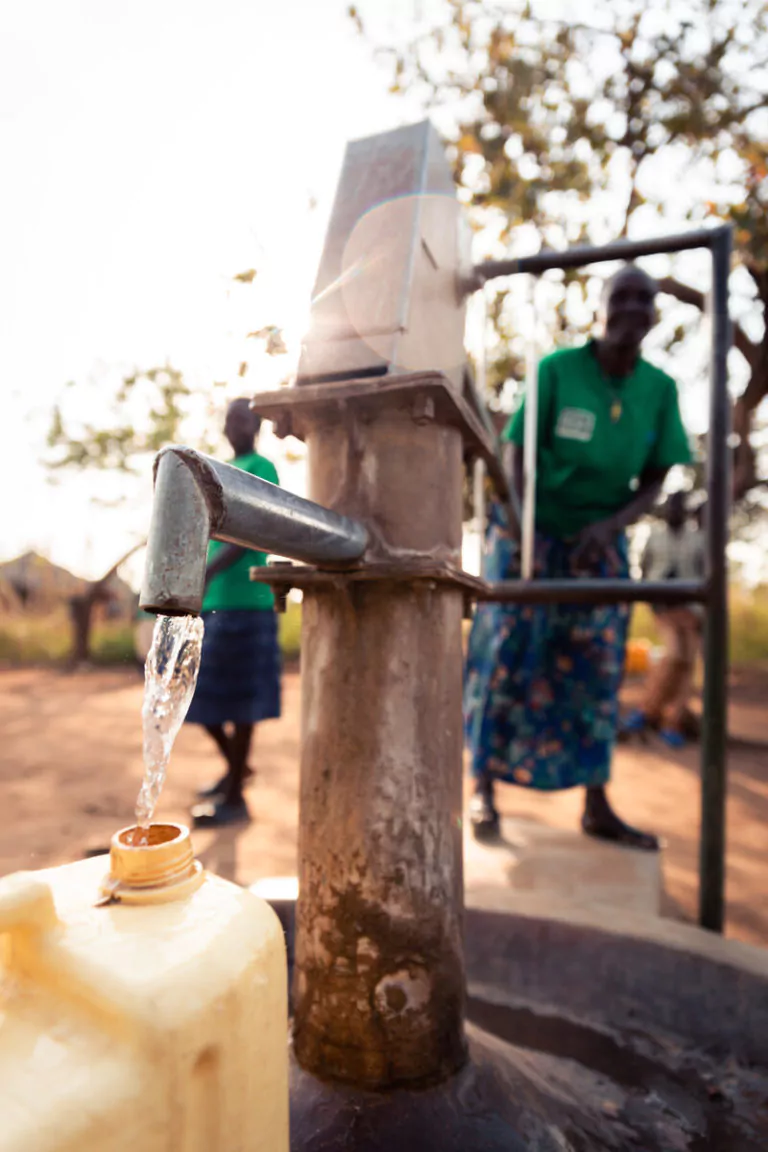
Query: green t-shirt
596, 436
233, 588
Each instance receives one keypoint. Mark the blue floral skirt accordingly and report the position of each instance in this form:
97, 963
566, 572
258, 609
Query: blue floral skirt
239, 680
542, 681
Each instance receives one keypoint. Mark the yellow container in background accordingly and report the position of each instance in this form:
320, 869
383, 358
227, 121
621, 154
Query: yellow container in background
638, 657
143, 1006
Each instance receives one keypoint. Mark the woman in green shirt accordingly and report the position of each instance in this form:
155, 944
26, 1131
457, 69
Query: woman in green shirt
239, 681
542, 682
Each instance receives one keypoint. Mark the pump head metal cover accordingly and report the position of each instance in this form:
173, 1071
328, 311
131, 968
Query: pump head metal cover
389, 292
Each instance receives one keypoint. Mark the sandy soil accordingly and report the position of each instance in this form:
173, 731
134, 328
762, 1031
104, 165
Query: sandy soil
70, 768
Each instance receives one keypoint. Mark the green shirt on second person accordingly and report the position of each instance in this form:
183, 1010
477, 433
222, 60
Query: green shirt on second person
233, 588
596, 436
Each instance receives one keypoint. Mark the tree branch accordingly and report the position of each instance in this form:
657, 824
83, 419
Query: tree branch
126, 556
756, 389
96, 587
682, 292
687, 295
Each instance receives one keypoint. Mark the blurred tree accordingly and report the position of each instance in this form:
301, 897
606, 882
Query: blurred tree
116, 426
606, 126
83, 605
146, 411
127, 422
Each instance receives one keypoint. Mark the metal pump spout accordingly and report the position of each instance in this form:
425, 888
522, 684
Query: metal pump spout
198, 499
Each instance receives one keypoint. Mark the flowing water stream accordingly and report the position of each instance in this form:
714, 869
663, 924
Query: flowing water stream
170, 675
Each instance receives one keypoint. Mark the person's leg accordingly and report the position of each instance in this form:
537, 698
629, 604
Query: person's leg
218, 734
228, 805
675, 627
483, 814
240, 746
600, 820
607, 658
224, 742
480, 722
689, 723
680, 688
663, 675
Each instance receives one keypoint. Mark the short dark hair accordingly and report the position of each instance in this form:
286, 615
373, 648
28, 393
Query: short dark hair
626, 269
245, 401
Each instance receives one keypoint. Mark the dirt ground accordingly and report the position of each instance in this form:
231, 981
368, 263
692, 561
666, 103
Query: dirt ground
70, 769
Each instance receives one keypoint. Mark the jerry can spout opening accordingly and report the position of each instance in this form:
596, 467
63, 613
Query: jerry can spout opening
152, 865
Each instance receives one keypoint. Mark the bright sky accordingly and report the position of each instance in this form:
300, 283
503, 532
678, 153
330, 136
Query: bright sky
151, 151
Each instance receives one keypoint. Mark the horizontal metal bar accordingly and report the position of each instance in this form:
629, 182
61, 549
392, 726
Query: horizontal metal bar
578, 257
257, 514
592, 591
589, 591
197, 499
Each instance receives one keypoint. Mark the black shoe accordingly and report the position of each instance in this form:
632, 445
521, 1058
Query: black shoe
483, 816
214, 790
221, 786
615, 831
220, 813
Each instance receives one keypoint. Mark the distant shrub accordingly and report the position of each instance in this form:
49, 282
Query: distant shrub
290, 632
47, 640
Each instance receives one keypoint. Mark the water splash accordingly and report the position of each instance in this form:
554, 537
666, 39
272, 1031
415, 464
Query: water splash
170, 676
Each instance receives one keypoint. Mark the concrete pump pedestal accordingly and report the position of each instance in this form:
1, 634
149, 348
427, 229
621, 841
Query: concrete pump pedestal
578, 1037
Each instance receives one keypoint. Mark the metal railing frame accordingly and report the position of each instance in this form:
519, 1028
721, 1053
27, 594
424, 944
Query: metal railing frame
713, 590
198, 499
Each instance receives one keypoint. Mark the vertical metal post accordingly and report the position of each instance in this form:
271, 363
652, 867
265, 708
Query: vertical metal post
478, 475
478, 509
530, 445
715, 702
482, 354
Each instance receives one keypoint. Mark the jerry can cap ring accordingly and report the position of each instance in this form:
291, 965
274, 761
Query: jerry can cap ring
159, 869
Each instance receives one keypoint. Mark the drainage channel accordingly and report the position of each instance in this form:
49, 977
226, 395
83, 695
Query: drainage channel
701, 1101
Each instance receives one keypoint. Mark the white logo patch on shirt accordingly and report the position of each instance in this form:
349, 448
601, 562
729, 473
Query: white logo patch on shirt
575, 424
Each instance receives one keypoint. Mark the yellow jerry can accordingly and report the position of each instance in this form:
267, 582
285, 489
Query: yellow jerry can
638, 657
143, 1006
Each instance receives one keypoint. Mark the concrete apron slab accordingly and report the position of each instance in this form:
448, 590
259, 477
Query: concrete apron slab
565, 866
533, 908
606, 1022
547, 863
529, 910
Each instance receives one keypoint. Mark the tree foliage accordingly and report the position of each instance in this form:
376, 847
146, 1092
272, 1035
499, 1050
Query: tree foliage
116, 424
584, 131
141, 412
146, 412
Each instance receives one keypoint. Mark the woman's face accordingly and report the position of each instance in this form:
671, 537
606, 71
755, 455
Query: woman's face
240, 426
629, 309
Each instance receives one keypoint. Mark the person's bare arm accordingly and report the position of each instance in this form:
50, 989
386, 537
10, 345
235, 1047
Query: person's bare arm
602, 533
517, 471
512, 460
600, 536
224, 559
648, 492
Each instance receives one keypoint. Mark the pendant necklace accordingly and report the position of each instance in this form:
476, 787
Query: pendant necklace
616, 407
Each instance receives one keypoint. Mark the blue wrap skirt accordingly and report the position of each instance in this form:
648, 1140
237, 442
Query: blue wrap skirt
542, 681
239, 680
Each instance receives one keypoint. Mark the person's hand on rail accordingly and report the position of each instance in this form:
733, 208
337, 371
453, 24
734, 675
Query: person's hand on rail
597, 541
